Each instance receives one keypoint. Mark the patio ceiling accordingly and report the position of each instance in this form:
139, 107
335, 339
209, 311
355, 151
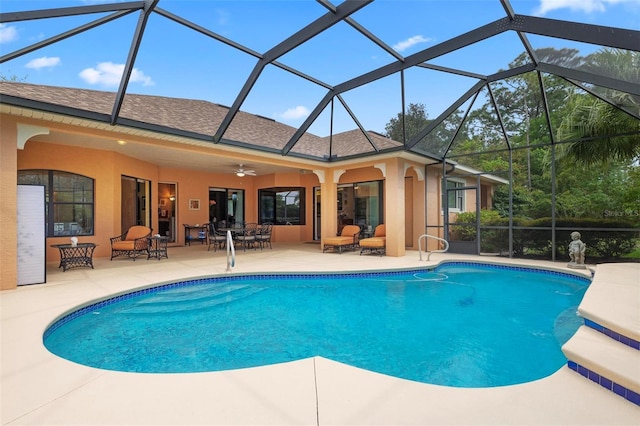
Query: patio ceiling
336, 94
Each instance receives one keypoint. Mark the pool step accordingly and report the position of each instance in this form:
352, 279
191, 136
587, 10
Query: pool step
606, 349
605, 361
231, 295
190, 294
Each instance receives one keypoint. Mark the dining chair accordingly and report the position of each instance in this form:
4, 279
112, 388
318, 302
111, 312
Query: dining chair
215, 238
264, 234
248, 236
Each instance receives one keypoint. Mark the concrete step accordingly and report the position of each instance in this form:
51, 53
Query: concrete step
612, 300
605, 361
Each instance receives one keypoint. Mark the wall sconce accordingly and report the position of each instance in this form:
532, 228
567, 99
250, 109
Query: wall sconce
172, 198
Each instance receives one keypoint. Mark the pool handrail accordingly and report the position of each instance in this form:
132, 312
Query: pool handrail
423, 236
231, 252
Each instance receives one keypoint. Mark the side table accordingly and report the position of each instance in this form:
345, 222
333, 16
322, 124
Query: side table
158, 247
202, 233
75, 256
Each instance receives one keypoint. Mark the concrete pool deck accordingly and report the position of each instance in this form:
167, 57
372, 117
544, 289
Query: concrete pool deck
38, 388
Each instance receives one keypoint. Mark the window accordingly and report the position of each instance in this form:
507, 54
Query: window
69, 201
455, 196
360, 204
281, 206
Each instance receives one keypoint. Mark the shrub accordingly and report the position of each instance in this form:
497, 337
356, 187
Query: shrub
601, 245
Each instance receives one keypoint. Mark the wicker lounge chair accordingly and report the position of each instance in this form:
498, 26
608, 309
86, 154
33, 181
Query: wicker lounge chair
348, 239
377, 243
132, 243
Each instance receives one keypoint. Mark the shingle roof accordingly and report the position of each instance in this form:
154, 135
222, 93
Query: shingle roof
199, 117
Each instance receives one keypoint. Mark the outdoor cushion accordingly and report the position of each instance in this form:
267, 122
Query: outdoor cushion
348, 238
131, 244
377, 243
374, 242
136, 232
123, 245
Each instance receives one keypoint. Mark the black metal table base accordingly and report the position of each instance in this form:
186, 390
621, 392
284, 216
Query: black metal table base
76, 256
158, 248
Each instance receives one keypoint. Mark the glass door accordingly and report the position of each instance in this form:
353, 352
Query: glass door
167, 202
226, 205
135, 201
317, 215
358, 204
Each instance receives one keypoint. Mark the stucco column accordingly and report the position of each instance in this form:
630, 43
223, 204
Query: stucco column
419, 205
8, 205
329, 204
394, 207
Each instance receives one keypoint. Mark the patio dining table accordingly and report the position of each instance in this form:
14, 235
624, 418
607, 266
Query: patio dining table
237, 231
231, 228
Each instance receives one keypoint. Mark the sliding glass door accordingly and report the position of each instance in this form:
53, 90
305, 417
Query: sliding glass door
359, 204
135, 202
226, 204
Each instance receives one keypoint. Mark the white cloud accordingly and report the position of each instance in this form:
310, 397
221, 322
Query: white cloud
405, 44
587, 6
295, 113
109, 74
44, 62
8, 33
138, 76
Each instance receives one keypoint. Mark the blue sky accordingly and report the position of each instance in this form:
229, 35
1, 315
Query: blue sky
178, 62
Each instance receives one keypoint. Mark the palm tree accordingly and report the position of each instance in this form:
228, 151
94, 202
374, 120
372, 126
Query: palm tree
602, 132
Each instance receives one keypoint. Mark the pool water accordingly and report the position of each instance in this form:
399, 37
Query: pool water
466, 325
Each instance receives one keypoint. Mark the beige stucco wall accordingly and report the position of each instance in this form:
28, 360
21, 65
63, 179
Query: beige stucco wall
8, 204
106, 168
406, 192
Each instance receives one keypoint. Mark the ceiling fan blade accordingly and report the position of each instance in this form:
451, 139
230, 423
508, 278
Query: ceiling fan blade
241, 170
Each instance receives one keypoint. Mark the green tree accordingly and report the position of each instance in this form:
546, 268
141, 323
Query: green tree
601, 132
13, 78
415, 120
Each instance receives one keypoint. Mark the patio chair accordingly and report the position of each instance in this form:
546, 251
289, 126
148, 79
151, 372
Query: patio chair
132, 243
264, 234
347, 240
377, 243
248, 236
215, 238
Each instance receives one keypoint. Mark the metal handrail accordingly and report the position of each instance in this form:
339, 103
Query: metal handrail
423, 236
231, 250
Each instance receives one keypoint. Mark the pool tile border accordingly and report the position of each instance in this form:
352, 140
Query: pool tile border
613, 334
608, 384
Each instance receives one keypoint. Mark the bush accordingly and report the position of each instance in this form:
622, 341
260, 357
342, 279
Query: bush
601, 245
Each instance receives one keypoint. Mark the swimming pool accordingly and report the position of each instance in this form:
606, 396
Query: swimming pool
460, 324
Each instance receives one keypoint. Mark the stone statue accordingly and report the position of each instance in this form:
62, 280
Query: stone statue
576, 251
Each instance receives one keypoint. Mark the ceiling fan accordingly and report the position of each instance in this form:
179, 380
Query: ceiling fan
240, 171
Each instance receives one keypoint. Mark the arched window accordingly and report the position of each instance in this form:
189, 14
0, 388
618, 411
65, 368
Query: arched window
69, 201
